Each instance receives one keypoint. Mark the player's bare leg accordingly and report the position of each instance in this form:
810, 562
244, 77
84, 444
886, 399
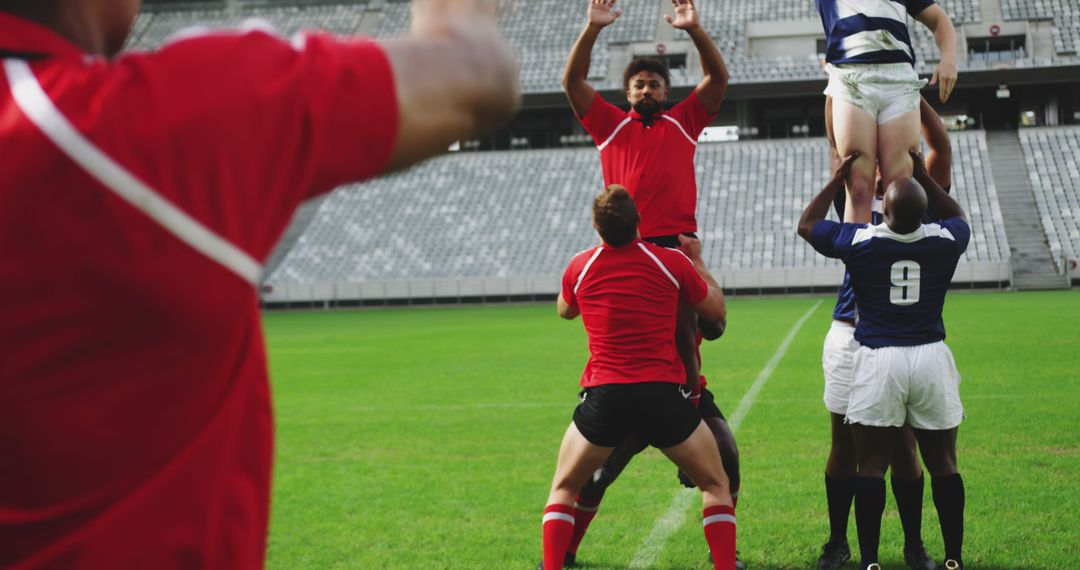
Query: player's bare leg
578, 459
938, 449
907, 485
874, 446
895, 139
855, 130
699, 458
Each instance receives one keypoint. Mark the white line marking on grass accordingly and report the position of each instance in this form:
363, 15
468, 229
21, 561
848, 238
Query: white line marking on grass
673, 518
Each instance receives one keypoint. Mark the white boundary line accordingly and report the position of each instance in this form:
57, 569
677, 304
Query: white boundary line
673, 518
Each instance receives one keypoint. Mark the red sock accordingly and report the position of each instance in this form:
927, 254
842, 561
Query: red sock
584, 511
558, 527
719, 525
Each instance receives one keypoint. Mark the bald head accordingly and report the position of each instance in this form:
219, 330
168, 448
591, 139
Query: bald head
904, 205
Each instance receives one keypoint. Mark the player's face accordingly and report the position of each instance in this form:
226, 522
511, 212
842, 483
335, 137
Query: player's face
647, 92
118, 17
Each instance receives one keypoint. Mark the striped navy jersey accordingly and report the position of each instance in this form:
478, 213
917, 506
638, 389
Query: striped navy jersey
900, 280
869, 31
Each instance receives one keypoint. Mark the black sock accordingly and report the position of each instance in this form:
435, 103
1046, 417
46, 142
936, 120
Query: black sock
839, 493
869, 504
949, 500
909, 500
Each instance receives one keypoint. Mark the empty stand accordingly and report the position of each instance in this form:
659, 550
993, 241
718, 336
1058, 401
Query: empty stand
1053, 160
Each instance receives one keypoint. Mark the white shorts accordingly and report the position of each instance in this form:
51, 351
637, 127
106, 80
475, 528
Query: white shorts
837, 361
886, 90
915, 384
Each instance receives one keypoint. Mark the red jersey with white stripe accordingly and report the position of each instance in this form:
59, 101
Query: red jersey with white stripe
138, 200
654, 162
628, 297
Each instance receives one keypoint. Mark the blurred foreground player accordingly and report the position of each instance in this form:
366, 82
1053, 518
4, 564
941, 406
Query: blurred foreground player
838, 355
902, 372
649, 150
627, 292
140, 195
587, 503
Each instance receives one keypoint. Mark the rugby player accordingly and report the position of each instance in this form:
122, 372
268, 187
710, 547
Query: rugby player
875, 88
902, 371
837, 356
650, 151
627, 292
587, 503
140, 195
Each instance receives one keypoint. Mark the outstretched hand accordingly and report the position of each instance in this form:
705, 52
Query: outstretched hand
602, 13
686, 15
945, 74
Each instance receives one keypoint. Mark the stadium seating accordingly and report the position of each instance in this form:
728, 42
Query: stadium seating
1053, 160
525, 213
1064, 13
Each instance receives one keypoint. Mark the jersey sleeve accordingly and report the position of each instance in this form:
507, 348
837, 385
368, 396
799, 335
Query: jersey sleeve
692, 287
960, 231
833, 239
569, 281
692, 115
601, 119
915, 7
239, 128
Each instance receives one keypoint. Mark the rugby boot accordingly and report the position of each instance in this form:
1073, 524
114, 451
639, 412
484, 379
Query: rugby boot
570, 561
834, 555
951, 564
918, 559
739, 564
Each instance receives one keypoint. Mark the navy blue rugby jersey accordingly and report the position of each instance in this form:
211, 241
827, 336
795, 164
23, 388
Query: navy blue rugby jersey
845, 298
869, 31
900, 280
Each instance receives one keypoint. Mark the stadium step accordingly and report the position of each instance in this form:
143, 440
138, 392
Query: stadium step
1033, 263
303, 216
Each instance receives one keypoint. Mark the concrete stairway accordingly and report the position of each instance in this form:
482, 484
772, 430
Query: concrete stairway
303, 216
1033, 264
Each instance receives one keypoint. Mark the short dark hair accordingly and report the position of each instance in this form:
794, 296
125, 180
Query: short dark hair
615, 216
646, 64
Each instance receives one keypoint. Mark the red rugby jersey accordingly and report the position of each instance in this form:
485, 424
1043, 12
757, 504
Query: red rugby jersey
628, 297
654, 163
139, 197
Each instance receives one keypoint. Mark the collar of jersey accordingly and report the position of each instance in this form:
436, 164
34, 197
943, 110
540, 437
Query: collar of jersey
21, 36
606, 245
883, 230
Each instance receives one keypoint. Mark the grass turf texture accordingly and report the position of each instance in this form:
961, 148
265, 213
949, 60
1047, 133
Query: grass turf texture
426, 438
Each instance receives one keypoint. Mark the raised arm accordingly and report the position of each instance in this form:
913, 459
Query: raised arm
713, 87
938, 21
602, 13
943, 204
712, 307
818, 208
939, 157
455, 76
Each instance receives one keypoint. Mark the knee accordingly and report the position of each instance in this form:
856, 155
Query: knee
596, 486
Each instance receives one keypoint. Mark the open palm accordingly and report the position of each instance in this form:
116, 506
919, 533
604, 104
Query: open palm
686, 15
602, 12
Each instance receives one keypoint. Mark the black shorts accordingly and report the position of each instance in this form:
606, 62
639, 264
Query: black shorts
656, 412
671, 241
707, 406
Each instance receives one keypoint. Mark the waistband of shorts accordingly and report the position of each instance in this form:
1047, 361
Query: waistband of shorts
894, 66
843, 325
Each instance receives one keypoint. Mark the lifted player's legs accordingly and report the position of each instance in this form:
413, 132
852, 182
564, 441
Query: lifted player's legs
895, 138
939, 453
699, 458
855, 130
578, 459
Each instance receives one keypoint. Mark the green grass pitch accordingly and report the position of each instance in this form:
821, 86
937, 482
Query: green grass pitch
426, 438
